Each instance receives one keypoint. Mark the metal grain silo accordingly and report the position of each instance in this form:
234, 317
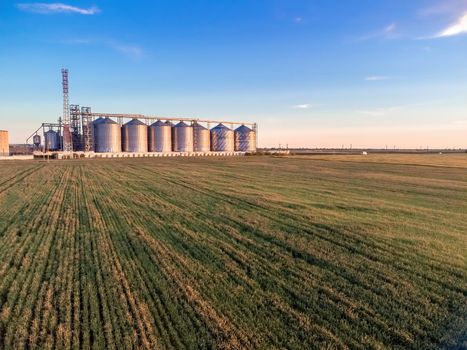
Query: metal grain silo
4, 143
160, 137
201, 138
107, 136
222, 139
36, 140
245, 139
51, 140
135, 136
182, 137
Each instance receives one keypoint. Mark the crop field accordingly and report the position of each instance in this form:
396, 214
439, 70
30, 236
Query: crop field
234, 253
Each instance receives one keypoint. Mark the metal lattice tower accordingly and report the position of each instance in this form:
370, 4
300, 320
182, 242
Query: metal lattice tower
75, 127
67, 140
88, 133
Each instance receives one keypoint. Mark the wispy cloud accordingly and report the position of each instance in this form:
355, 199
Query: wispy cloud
377, 78
389, 29
456, 28
383, 111
51, 8
444, 7
129, 50
303, 106
77, 41
453, 11
388, 32
132, 51
379, 112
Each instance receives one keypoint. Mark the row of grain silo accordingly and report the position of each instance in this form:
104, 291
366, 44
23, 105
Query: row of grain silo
137, 137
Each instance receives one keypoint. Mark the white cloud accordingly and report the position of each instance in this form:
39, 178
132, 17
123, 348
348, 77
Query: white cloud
77, 41
383, 111
378, 112
132, 51
389, 29
444, 7
302, 106
388, 32
377, 78
457, 28
129, 50
44, 8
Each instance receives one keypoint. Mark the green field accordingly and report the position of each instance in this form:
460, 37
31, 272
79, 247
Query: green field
235, 253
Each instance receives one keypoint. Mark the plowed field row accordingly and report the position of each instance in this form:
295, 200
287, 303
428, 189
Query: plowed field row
244, 253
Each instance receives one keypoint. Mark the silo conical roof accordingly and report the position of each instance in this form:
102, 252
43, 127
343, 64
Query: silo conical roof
221, 127
199, 126
243, 128
159, 123
135, 122
107, 121
182, 124
98, 120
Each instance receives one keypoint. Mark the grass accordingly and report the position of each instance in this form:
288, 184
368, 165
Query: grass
253, 252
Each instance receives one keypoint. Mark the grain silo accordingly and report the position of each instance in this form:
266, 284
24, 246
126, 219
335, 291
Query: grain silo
172, 133
201, 138
245, 139
107, 136
95, 131
182, 138
135, 137
4, 143
36, 140
222, 139
51, 140
160, 137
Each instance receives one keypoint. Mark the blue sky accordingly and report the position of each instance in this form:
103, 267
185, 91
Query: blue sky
312, 73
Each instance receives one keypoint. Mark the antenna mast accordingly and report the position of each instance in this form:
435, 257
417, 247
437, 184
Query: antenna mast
67, 140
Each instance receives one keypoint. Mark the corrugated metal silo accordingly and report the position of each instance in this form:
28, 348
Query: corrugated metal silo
36, 140
172, 134
182, 137
135, 136
51, 140
160, 137
107, 136
5, 143
95, 131
201, 138
222, 139
245, 139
